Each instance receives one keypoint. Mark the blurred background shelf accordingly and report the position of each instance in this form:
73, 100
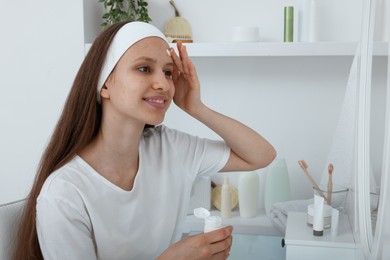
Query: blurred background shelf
276, 49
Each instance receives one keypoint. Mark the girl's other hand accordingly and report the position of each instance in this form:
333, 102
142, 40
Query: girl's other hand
211, 245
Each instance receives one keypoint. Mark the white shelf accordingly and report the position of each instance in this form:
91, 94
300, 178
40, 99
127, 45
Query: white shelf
259, 225
275, 49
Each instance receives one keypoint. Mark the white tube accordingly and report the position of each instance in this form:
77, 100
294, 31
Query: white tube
335, 222
318, 218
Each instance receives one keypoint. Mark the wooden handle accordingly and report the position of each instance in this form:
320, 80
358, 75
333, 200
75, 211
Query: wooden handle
330, 189
313, 183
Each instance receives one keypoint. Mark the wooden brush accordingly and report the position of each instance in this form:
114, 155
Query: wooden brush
304, 167
330, 186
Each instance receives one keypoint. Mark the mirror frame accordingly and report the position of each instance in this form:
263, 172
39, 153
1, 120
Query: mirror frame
382, 232
362, 162
371, 244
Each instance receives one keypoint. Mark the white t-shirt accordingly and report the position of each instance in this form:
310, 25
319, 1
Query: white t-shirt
82, 215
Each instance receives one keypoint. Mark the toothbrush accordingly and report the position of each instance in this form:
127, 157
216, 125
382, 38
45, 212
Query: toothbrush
330, 171
304, 167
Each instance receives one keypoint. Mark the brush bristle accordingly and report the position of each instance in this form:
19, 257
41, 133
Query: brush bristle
303, 164
330, 168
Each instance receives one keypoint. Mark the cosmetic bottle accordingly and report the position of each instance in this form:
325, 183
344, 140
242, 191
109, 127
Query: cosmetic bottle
211, 223
335, 222
277, 184
226, 210
288, 23
248, 194
318, 218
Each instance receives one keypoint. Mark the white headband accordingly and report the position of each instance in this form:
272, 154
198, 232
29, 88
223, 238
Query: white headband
129, 34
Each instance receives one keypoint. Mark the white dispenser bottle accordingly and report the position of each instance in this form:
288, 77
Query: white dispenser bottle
226, 199
248, 194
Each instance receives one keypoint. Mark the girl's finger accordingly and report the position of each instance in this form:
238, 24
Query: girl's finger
184, 58
176, 60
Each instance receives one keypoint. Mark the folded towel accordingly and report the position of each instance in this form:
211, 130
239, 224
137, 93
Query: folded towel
279, 211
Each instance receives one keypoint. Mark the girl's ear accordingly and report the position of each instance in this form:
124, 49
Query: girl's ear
105, 91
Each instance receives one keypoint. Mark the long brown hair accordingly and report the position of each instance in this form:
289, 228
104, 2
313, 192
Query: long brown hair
77, 126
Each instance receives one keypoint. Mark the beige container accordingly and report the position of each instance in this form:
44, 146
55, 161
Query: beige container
327, 215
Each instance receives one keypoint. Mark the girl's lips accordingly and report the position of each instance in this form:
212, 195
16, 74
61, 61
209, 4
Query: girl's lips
156, 102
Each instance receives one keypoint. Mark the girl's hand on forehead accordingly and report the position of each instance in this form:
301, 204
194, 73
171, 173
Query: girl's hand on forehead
180, 61
185, 79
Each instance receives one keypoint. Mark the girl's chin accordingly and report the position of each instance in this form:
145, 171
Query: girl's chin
155, 122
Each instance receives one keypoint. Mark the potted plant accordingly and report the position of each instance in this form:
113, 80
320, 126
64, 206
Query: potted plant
124, 10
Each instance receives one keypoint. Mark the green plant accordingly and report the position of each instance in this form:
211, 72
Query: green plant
124, 10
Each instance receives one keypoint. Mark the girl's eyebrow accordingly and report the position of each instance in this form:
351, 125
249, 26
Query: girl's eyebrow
148, 59
145, 58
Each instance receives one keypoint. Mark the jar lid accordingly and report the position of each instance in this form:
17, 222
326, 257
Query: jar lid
210, 222
201, 213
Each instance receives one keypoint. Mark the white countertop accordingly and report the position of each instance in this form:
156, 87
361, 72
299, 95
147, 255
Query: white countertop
299, 233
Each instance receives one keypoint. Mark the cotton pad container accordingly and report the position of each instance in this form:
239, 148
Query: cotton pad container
327, 215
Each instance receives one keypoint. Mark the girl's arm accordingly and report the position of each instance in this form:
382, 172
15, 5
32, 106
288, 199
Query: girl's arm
249, 150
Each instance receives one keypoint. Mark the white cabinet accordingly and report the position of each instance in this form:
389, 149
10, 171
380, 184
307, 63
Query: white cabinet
302, 245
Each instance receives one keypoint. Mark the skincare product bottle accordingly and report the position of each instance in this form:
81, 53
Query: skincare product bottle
248, 194
211, 223
318, 218
277, 184
335, 222
288, 23
226, 210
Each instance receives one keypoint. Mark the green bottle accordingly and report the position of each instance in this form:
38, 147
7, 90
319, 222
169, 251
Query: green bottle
288, 24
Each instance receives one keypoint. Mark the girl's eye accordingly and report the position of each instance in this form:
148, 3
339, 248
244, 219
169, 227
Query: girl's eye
144, 69
168, 74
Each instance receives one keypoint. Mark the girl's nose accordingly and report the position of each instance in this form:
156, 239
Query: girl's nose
161, 82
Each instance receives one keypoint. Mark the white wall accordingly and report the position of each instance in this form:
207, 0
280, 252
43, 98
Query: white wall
41, 48
211, 20
294, 102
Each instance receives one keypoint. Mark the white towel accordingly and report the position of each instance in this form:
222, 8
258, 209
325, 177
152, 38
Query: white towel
279, 211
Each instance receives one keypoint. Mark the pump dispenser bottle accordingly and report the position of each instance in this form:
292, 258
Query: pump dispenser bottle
226, 208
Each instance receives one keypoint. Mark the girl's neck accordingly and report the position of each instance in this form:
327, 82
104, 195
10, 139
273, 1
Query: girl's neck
114, 154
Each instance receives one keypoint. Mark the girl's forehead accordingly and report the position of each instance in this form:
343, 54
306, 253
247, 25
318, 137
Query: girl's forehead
150, 44
153, 47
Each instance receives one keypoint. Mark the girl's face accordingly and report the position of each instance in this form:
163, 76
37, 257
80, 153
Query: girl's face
140, 88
